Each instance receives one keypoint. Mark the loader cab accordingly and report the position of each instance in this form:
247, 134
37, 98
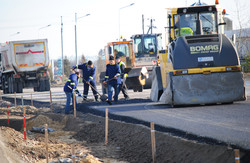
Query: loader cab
123, 49
146, 45
195, 21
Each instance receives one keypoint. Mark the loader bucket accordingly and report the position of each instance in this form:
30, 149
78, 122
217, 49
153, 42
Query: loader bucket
204, 89
136, 77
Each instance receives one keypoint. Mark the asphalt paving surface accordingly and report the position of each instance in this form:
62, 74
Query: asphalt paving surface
226, 123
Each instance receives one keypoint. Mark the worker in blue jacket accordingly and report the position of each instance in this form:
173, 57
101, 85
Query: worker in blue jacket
112, 78
69, 87
88, 75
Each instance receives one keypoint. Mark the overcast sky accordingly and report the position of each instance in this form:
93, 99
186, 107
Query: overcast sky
32, 17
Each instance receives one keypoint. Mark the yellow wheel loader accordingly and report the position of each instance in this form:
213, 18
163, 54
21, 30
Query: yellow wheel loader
139, 56
201, 64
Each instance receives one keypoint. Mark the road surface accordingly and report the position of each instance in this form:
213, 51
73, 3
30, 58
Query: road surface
226, 123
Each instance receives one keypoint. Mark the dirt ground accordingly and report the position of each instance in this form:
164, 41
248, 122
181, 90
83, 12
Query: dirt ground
127, 142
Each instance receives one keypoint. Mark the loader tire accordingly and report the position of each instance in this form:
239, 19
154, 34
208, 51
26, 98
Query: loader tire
138, 89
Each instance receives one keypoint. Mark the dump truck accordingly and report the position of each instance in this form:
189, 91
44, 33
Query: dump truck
201, 64
139, 56
24, 64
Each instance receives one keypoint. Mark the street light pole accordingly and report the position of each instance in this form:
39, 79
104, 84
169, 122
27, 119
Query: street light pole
76, 38
17, 33
62, 49
76, 34
43, 28
120, 16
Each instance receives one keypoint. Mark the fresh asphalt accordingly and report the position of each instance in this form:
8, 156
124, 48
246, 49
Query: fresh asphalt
227, 124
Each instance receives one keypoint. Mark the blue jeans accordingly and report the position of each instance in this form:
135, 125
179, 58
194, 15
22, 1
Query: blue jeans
86, 89
69, 96
110, 91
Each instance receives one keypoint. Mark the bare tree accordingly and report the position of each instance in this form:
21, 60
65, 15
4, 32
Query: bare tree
100, 64
82, 60
243, 33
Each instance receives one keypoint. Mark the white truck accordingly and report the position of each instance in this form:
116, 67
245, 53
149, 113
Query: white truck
24, 64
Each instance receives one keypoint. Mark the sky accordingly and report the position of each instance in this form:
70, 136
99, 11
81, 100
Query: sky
36, 19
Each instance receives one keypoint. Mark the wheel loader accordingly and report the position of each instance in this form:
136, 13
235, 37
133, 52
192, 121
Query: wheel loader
139, 56
201, 64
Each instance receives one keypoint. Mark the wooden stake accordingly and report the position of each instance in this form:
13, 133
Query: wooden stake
74, 99
237, 155
153, 142
22, 101
46, 143
73, 153
1, 98
8, 115
51, 107
15, 99
24, 123
106, 126
31, 99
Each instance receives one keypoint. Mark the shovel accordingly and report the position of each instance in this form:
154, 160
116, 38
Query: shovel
102, 97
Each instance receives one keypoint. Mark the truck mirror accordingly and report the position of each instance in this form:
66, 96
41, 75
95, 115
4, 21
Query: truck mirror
135, 49
222, 24
109, 50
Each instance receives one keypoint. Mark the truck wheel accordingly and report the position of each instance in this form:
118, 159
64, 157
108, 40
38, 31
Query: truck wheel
19, 87
15, 86
5, 89
42, 85
10, 84
47, 85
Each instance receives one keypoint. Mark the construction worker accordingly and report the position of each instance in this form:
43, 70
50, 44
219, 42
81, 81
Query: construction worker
88, 76
112, 78
69, 87
122, 86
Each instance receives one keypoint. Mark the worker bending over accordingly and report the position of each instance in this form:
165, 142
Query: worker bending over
112, 78
88, 75
69, 87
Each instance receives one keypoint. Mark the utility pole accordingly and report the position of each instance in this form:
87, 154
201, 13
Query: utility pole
62, 49
76, 34
143, 24
151, 26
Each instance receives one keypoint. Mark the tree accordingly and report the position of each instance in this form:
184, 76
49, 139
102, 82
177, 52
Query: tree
82, 60
246, 64
100, 64
67, 67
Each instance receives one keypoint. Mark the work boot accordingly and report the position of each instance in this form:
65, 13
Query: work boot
84, 98
96, 98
